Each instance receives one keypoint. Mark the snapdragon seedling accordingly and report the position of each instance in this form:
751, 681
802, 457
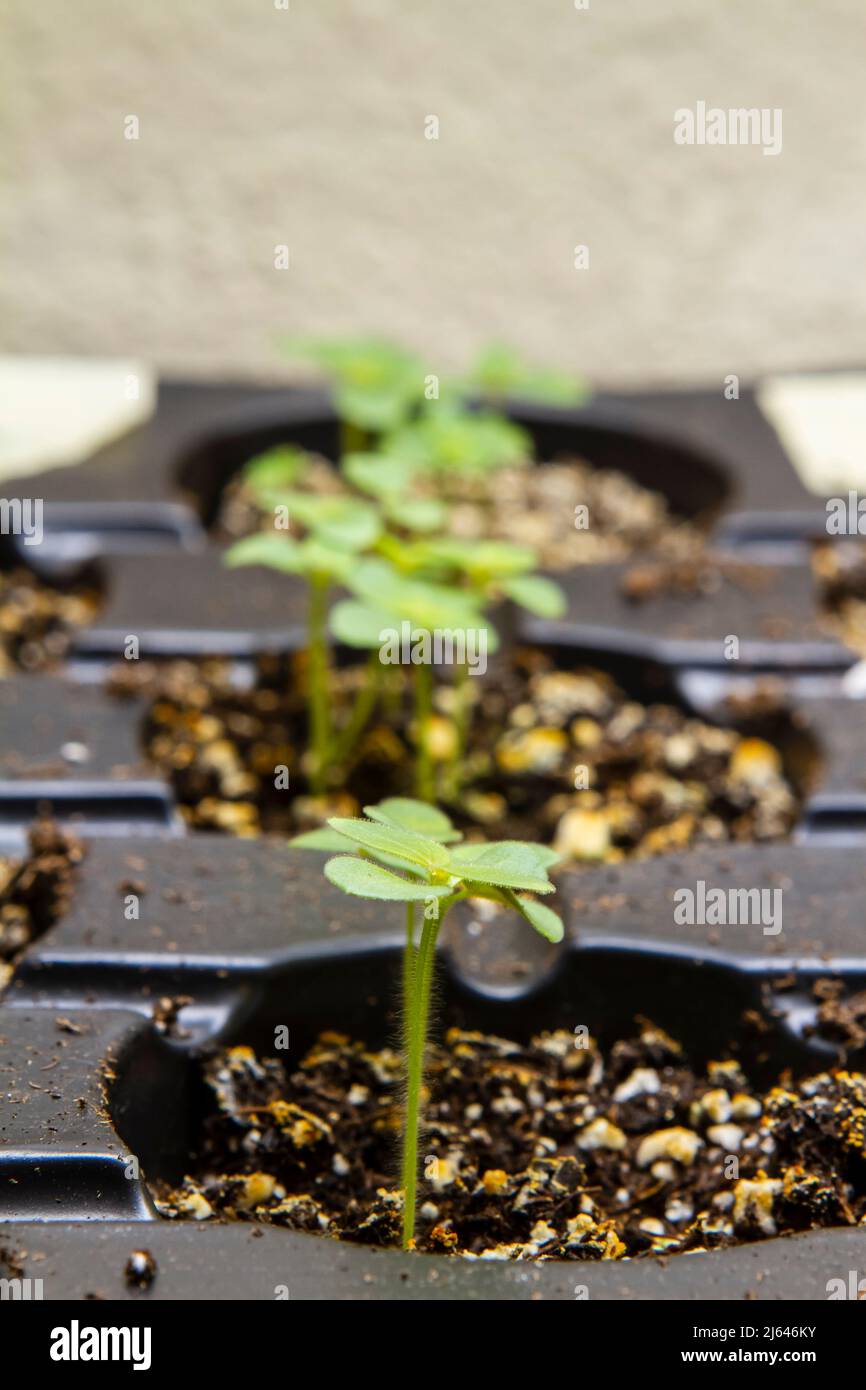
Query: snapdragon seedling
376, 384
387, 606
409, 852
499, 372
339, 527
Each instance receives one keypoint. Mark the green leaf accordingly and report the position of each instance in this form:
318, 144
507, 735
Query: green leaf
379, 474
319, 839
536, 594
359, 624
377, 384
277, 552
376, 838
461, 440
522, 851
500, 371
365, 880
416, 513
418, 601
279, 467
540, 916
419, 816
506, 865
343, 522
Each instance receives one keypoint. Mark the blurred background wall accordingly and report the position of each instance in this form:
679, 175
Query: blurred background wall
307, 127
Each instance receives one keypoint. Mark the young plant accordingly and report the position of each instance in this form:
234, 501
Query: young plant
387, 605
451, 439
339, 528
500, 372
487, 571
376, 385
406, 851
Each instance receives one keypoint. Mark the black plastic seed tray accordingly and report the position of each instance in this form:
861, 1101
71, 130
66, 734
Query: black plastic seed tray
99, 1091
98, 1096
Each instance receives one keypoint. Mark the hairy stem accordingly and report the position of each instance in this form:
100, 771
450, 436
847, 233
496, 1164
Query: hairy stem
424, 784
320, 721
361, 710
461, 726
408, 981
417, 1042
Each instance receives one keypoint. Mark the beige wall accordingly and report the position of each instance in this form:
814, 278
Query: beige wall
261, 127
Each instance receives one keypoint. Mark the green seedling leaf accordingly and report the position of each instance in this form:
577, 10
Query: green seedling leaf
380, 475
276, 552
522, 851
480, 561
418, 816
320, 839
359, 624
280, 467
420, 602
344, 522
500, 371
311, 557
365, 880
462, 441
536, 594
511, 866
416, 513
540, 916
381, 838
376, 383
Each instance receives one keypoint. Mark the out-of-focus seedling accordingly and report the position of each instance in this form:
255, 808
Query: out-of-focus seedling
390, 604
406, 851
499, 372
339, 528
376, 384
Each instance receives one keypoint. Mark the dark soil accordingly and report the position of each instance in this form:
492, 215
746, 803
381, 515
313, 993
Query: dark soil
35, 890
533, 505
551, 1149
560, 756
38, 620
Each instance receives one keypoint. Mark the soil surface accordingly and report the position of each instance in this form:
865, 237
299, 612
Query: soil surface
35, 889
551, 1150
38, 620
534, 505
554, 755
840, 572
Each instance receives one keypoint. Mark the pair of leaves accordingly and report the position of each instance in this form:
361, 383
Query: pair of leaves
385, 599
504, 871
344, 522
493, 569
390, 481
310, 558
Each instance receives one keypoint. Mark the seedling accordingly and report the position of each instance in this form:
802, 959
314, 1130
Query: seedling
500, 372
456, 440
339, 528
406, 851
387, 601
376, 384
487, 571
